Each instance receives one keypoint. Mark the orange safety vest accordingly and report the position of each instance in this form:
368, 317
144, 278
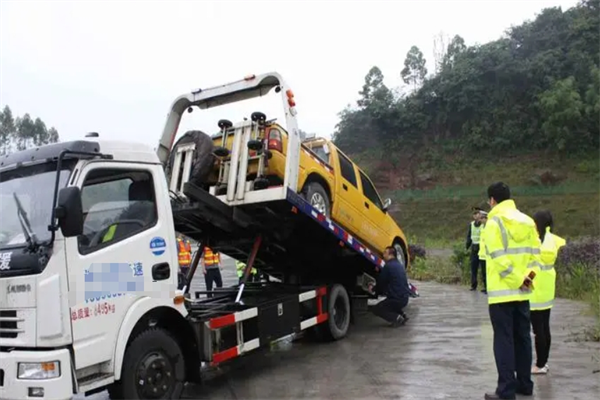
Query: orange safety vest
211, 258
185, 252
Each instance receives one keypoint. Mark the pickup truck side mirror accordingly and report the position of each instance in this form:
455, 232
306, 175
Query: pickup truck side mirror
69, 211
386, 204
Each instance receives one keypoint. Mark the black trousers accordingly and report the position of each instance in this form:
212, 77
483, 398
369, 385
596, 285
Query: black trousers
474, 265
213, 275
512, 347
540, 322
483, 273
389, 309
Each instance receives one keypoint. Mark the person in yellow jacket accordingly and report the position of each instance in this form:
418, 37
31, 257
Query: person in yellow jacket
241, 267
481, 251
211, 267
512, 248
542, 298
184, 249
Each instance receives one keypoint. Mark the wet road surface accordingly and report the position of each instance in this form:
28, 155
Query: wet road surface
443, 352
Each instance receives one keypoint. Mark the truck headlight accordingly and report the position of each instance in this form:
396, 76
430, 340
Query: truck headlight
44, 370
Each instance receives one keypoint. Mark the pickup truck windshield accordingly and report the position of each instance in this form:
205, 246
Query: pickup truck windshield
33, 186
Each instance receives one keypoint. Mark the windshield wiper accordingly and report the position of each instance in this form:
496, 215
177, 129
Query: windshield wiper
26, 225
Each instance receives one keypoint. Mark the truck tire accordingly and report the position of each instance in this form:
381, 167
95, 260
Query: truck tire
317, 196
153, 368
203, 160
338, 308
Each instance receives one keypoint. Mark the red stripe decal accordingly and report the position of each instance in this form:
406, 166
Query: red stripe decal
322, 318
225, 355
220, 322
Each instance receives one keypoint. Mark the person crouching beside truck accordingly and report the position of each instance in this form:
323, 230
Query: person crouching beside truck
542, 298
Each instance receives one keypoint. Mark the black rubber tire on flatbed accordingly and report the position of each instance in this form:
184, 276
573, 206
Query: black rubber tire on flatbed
203, 160
158, 354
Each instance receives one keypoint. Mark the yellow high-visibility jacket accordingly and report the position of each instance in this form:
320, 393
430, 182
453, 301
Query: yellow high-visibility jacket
543, 294
481, 252
240, 267
512, 248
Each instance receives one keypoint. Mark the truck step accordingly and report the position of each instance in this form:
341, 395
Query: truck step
95, 381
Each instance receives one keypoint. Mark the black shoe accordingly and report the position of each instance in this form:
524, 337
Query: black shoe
473, 289
484, 291
398, 322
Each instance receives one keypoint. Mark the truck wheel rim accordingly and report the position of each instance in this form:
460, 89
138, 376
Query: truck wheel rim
154, 376
318, 202
400, 253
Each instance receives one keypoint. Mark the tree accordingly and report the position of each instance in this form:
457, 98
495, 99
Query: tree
414, 71
455, 48
537, 87
374, 94
440, 49
7, 130
23, 132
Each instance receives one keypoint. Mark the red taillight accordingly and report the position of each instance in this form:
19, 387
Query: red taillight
274, 141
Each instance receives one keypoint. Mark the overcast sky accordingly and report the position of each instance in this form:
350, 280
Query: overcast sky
115, 66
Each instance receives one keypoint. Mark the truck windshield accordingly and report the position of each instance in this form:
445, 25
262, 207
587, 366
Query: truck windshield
33, 187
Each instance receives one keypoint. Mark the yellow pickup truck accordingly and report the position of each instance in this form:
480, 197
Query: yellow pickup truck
331, 183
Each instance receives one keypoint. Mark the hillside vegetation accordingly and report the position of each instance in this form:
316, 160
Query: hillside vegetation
523, 109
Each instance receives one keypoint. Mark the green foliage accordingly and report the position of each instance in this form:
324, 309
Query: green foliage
538, 87
438, 269
414, 71
23, 132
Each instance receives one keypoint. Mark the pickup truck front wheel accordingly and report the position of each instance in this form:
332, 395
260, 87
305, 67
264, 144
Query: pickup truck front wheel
400, 251
317, 196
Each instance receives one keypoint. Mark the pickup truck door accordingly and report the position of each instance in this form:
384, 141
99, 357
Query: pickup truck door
347, 202
374, 217
127, 236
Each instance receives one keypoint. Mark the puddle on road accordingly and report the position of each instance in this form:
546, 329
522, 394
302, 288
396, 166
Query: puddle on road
283, 344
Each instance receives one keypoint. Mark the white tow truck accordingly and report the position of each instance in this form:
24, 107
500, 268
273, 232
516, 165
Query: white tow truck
90, 294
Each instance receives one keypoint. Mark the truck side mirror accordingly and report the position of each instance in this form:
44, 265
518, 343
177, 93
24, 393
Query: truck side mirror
69, 211
386, 204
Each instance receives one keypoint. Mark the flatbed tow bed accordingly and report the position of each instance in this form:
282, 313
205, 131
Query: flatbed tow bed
229, 324
324, 270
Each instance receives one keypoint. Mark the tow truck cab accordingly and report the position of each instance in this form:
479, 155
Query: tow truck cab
70, 296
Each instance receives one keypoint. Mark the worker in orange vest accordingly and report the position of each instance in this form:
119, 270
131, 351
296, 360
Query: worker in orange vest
184, 248
211, 266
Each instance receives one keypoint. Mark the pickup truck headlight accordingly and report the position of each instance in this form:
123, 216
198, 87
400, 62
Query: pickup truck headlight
44, 370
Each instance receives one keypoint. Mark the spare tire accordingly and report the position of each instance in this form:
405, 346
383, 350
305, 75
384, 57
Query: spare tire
203, 159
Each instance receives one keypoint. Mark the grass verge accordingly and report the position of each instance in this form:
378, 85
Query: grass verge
577, 282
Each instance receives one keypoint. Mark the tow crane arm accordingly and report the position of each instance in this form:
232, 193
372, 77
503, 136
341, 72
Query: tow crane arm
250, 87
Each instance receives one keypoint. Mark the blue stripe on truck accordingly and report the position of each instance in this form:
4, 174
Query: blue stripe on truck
334, 228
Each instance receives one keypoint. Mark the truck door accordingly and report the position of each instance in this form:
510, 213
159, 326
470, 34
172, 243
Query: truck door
374, 221
127, 233
347, 202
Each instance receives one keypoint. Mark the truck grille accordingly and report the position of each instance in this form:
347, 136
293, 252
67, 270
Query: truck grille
8, 324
